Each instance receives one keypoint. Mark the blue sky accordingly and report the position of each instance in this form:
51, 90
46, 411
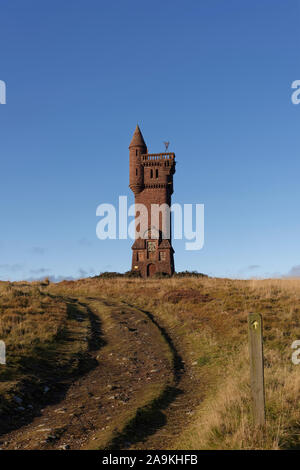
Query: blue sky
212, 77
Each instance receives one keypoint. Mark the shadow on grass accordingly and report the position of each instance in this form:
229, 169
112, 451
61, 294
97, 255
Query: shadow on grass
47, 375
147, 421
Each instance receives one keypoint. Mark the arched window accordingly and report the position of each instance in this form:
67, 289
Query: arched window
151, 173
136, 172
156, 173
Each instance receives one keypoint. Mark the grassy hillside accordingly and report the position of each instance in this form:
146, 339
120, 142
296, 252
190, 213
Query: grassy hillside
206, 322
44, 342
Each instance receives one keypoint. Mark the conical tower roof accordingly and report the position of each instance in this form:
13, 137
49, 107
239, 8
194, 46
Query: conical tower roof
137, 139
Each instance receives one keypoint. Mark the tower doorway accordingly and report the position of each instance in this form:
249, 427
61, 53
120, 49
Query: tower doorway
151, 270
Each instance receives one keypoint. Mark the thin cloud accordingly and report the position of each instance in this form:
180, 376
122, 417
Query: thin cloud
251, 267
51, 278
40, 271
84, 273
11, 267
294, 271
107, 267
38, 250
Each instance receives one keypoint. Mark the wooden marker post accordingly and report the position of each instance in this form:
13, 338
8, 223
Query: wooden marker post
257, 368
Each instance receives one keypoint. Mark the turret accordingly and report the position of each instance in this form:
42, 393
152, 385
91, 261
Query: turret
137, 148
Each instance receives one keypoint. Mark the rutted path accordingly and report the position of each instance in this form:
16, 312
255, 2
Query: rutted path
174, 409
136, 396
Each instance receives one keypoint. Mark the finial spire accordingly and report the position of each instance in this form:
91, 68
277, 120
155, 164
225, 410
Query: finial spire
137, 139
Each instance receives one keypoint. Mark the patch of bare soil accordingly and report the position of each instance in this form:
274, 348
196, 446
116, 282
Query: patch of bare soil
187, 295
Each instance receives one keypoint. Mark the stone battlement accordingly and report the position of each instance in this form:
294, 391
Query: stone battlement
158, 156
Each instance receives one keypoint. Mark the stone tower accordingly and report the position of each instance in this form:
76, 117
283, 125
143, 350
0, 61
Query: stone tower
151, 180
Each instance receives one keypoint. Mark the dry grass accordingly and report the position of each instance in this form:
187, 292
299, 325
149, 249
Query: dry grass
28, 317
207, 321
36, 328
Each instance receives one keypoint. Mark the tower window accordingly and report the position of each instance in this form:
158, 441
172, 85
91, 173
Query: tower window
151, 173
139, 256
156, 173
136, 153
136, 172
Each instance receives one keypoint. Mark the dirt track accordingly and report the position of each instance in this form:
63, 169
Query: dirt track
137, 394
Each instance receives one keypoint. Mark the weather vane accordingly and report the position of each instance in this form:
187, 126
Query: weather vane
167, 145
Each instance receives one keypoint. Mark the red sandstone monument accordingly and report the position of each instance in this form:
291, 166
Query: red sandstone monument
151, 180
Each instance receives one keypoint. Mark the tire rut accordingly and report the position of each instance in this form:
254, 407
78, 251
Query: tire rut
133, 367
172, 411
